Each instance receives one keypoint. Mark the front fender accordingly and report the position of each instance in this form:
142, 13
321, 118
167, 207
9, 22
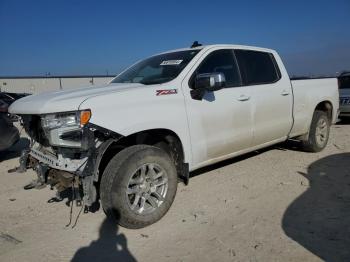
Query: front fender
139, 110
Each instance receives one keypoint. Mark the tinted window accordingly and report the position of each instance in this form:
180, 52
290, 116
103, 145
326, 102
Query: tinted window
257, 67
220, 61
157, 69
344, 82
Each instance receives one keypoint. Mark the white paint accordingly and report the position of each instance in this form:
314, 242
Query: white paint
224, 124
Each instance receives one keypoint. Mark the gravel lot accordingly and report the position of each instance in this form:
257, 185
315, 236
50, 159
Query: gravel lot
278, 204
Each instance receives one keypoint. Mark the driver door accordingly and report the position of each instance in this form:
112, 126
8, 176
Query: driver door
221, 123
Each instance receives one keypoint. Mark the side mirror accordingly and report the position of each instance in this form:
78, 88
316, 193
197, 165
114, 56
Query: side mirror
210, 81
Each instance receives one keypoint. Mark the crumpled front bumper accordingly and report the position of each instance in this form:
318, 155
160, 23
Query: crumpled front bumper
64, 168
58, 162
76, 168
62, 173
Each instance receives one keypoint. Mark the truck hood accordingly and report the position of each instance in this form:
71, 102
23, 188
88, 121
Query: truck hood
67, 100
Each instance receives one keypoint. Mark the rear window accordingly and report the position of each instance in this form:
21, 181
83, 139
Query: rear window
257, 67
344, 82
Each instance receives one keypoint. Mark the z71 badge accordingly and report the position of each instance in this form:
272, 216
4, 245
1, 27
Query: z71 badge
166, 92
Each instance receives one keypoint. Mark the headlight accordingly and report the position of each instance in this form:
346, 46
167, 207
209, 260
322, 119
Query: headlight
70, 119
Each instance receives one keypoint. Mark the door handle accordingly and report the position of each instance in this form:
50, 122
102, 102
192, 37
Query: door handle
285, 93
243, 98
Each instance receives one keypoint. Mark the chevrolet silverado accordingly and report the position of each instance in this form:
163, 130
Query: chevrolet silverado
129, 142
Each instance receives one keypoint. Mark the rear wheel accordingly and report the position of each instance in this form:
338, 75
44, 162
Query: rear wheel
138, 186
319, 133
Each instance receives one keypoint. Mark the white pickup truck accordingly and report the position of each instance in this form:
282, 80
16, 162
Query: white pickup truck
129, 142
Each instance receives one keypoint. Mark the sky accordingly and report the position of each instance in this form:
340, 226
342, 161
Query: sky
103, 37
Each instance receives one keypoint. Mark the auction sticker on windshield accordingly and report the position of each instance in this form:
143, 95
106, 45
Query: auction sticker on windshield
171, 62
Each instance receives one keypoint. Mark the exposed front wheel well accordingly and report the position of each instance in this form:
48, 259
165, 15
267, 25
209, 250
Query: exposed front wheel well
162, 138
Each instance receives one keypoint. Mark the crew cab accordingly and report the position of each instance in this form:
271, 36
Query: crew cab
129, 142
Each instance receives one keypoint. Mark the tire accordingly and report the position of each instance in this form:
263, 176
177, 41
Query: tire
125, 182
318, 133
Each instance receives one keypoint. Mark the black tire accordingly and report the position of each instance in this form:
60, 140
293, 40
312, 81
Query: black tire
115, 182
313, 144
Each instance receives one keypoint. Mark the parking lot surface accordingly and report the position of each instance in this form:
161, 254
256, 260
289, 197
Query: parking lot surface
277, 204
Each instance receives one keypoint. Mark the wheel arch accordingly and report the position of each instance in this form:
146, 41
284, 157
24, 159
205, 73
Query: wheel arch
327, 107
166, 139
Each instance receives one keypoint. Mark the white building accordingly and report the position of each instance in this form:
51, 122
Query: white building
36, 84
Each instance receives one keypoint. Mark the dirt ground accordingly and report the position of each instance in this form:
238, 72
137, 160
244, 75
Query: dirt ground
278, 204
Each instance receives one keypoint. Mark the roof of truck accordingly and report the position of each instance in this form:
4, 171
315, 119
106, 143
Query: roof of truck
222, 46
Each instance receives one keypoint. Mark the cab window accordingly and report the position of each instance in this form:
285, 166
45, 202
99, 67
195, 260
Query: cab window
220, 61
257, 67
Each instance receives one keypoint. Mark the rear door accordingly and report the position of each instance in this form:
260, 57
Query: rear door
220, 123
272, 96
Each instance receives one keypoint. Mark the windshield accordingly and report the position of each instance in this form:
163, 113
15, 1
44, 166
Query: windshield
157, 69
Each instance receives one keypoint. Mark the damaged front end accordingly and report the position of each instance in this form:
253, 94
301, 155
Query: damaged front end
65, 151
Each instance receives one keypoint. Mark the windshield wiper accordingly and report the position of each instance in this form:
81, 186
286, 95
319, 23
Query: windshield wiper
156, 81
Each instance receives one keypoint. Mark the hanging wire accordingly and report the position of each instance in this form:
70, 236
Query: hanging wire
71, 205
76, 220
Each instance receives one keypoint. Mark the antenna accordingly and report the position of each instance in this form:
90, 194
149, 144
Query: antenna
195, 44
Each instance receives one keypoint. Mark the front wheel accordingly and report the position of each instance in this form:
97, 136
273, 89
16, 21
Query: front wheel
319, 133
138, 186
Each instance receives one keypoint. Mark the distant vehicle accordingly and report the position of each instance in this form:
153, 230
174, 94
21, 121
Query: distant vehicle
130, 140
9, 134
9, 98
344, 93
6, 100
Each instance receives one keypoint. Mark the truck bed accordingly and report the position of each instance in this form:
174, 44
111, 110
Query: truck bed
307, 93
